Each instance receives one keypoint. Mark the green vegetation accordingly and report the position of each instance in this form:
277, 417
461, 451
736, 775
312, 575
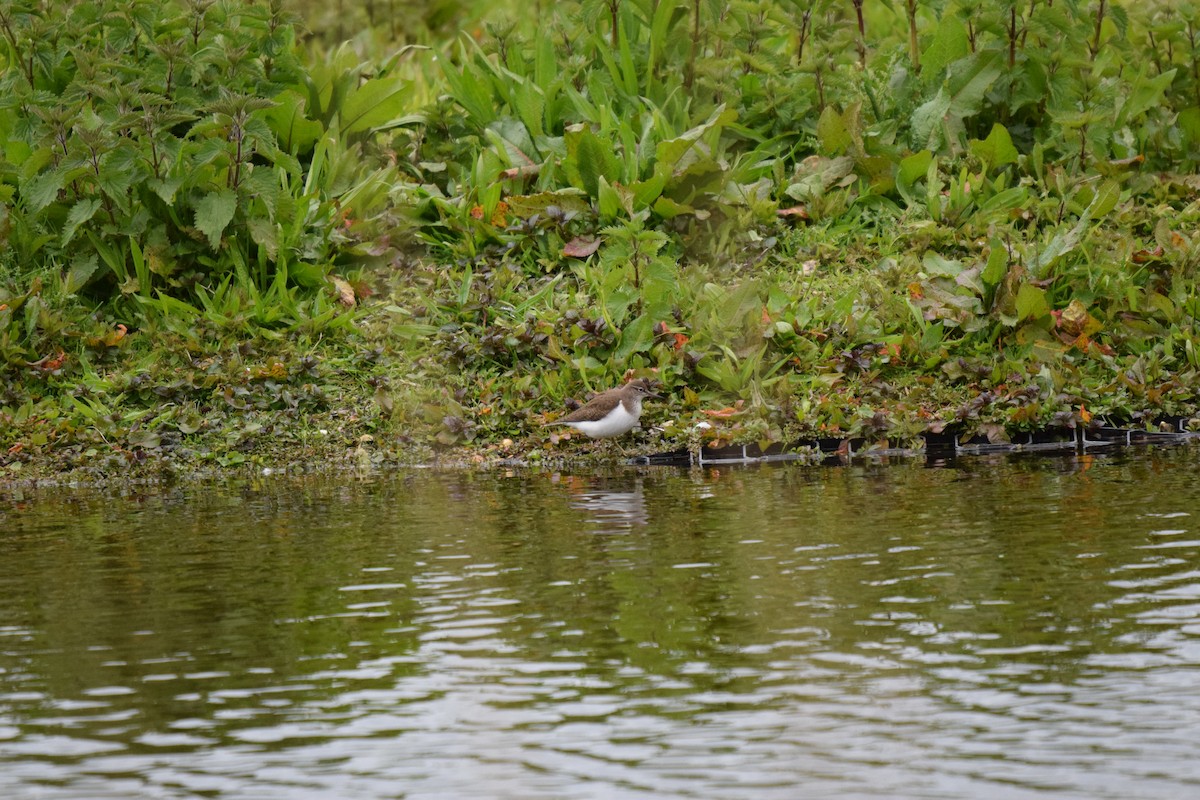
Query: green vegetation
839, 217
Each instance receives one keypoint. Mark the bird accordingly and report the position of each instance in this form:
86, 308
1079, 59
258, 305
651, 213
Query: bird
610, 413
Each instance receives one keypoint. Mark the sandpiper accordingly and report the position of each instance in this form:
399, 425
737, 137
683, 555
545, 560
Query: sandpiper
610, 413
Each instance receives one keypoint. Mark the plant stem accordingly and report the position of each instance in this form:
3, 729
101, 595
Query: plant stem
690, 74
614, 7
1012, 37
804, 33
1095, 48
914, 52
861, 43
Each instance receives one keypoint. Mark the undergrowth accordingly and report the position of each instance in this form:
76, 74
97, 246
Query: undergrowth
802, 218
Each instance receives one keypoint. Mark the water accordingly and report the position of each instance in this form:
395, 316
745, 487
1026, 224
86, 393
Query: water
997, 628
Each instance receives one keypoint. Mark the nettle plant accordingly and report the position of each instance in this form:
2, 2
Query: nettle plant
147, 153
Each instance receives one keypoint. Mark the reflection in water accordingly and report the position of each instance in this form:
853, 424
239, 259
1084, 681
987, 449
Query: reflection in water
1000, 629
609, 506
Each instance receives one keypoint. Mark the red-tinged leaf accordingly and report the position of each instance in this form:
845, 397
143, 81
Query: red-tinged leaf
680, 341
766, 318
724, 413
1142, 256
580, 247
1085, 416
477, 212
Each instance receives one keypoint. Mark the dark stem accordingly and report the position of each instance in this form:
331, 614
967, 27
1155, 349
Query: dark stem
1095, 48
614, 7
914, 52
804, 31
861, 44
1154, 52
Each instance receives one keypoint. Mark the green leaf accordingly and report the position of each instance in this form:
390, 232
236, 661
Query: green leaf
970, 78
914, 167
588, 159
378, 103
295, 132
833, 133
637, 337
214, 212
935, 265
166, 187
997, 264
83, 269
926, 121
1106, 199
80, 213
997, 149
43, 190
949, 44
608, 200
1031, 302
1144, 94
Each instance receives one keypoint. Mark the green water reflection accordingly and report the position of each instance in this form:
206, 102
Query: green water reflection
997, 628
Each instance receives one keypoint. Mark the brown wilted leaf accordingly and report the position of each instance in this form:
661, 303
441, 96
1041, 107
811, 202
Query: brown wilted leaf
1142, 256
724, 413
580, 247
345, 292
795, 212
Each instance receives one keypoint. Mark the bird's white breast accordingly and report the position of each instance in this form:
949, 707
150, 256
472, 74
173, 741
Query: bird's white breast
618, 421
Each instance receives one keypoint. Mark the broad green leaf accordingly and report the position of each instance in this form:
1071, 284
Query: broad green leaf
970, 78
80, 213
1031, 303
636, 337
914, 167
997, 149
1144, 94
949, 44
608, 200
831, 130
530, 104
935, 265
214, 212
83, 269
926, 121
296, 133
1106, 199
1006, 200
43, 190
997, 264
588, 158
471, 89
1189, 123
378, 103
166, 187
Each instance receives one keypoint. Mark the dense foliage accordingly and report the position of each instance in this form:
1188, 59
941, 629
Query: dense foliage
822, 215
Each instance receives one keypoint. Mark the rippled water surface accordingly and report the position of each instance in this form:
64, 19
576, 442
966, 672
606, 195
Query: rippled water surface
992, 629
